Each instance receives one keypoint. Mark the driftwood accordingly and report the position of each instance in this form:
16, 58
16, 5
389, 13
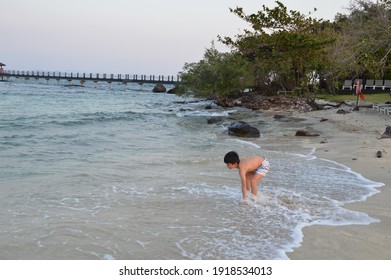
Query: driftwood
317, 106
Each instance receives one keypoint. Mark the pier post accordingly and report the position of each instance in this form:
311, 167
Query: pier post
27, 76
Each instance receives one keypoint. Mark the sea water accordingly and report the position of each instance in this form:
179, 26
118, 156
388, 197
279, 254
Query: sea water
115, 172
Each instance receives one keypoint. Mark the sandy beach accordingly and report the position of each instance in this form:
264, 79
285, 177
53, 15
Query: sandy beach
352, 139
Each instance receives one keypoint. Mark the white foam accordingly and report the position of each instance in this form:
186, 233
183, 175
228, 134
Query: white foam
249, 143
205, 113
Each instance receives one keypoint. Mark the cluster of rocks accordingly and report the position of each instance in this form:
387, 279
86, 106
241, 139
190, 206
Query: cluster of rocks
245, 130
262, 102
161, 88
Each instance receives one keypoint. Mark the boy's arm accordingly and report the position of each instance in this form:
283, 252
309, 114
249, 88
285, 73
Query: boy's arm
242, 175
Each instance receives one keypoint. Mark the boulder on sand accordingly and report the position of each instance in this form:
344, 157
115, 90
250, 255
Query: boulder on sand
387, 133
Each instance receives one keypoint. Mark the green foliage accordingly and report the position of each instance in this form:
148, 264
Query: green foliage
286, 44
363, 48
375, 98
217, 74
285, 49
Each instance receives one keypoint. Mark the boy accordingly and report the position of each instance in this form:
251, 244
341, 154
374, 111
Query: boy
251, 171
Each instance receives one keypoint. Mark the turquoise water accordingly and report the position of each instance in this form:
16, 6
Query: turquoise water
124, 173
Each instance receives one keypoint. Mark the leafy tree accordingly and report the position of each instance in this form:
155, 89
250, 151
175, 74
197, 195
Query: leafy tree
363, 48
284, 46
295, 51
218, 75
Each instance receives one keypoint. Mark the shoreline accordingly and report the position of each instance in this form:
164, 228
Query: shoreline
351, 139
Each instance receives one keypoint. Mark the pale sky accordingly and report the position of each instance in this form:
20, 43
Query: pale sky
151, 37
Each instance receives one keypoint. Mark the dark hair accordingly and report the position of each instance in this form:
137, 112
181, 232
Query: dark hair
232, 157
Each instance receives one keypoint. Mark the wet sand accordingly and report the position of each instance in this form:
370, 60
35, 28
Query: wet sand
352, 139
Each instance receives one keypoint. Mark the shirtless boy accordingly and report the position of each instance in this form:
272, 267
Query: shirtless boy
251, 171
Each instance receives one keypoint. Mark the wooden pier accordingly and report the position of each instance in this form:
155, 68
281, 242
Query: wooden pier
83, 77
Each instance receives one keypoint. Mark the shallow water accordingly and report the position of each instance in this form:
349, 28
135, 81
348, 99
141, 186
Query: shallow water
120, 173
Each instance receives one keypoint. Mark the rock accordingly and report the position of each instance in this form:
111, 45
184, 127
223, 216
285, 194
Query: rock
243, 129
387, 133
378, 154
305, 133
278, 117
214, 119
174, 90
159, 88
342, 111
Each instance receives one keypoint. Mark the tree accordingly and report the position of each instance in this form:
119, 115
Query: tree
363, 48
284, 46
217, 75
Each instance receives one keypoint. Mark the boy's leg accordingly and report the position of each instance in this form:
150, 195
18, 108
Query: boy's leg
249, 178
254, 183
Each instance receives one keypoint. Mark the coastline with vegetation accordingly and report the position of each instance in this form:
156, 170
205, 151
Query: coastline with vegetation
306, 61
358, 140
309, 59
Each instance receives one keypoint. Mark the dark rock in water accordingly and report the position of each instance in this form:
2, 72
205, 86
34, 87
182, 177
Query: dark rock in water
323, 120
387, 133
243, 129
174, 90
305, 133
214, 120
278, 117
159, 88
378, 154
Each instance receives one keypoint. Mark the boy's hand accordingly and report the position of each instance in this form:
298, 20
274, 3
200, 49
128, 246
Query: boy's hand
244, 202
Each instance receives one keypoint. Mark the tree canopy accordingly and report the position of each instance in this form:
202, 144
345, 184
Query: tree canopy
286, 49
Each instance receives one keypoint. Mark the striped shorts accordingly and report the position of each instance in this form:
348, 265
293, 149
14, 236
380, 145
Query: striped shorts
264, 168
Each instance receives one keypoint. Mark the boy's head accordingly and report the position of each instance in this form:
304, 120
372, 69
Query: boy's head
232, 160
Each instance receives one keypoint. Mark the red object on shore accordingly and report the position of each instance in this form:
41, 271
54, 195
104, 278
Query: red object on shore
358, 91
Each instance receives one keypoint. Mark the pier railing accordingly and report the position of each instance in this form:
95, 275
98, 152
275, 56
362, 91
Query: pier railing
94, 77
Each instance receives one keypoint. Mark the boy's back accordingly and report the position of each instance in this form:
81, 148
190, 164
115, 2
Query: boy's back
249, 164
251, 170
